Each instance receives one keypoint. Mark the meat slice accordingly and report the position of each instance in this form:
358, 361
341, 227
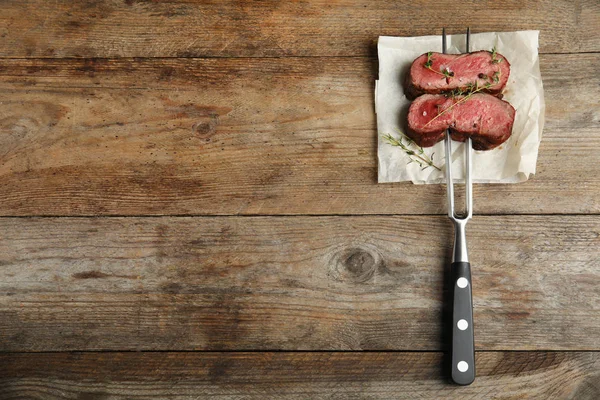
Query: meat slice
442, 73
485, 118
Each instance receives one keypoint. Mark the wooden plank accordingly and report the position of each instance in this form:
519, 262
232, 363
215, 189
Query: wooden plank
293, 283
194, 28
251, 136
547, 375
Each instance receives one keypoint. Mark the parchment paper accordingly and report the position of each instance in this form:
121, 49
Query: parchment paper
514, 161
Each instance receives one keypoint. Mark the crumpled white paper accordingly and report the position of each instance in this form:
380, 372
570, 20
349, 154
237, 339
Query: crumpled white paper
514, 161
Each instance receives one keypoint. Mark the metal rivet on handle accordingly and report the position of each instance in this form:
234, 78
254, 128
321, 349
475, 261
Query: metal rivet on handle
462, 283
462, 324
462, 366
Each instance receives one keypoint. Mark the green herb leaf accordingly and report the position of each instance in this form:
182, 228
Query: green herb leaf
495, 58
429, 60
429, 63
496, 77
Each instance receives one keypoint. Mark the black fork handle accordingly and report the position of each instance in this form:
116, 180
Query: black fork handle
463, 345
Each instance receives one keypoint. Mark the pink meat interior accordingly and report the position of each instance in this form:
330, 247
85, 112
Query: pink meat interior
483, 117
472, 68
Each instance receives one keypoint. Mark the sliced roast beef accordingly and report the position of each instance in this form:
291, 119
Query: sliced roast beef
442, 73
488, 120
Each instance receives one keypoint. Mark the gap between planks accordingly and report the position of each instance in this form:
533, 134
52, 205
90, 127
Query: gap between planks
89, 216
242, 57
284, 351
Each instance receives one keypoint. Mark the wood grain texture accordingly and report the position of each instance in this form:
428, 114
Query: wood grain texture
175, 137
293, 283
187, 28
530, 375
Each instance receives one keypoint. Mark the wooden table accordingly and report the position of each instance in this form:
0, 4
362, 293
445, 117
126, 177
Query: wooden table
189, 208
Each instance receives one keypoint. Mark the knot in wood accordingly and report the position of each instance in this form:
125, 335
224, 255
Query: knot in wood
354, 265
203, 128
206, 127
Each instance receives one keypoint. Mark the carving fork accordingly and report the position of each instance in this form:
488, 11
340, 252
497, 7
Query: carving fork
463, 344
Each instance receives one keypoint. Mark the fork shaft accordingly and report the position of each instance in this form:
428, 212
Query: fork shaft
460, 253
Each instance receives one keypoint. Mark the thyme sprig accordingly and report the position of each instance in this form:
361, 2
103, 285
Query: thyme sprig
495, 58
470, 90
408, 146
428, 65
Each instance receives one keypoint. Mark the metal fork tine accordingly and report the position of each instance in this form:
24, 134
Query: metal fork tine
448, 150
468, 180
449, 181
468, 156
468, 40
443, 40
